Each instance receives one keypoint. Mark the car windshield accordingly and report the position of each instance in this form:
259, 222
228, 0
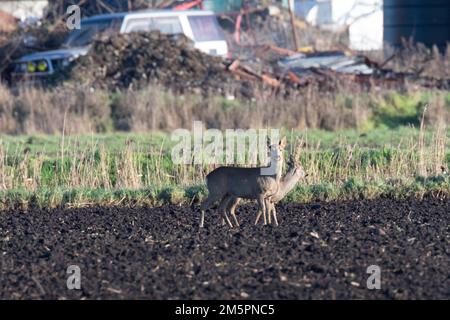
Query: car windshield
205, 28
82, 37
169, 25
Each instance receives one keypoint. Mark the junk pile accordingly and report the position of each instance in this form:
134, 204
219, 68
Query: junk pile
265, 61
135, 59
335, 61
327, 69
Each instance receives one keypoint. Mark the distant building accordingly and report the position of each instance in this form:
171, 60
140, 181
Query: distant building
25, 8
372, 24
363, 18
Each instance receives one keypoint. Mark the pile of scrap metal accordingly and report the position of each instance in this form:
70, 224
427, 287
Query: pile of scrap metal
324, 68
246, 73
329, 67
328, 70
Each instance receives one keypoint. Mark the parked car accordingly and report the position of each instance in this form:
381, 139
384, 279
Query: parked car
199, 25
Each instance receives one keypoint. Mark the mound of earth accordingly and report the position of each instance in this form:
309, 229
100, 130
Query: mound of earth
135, 59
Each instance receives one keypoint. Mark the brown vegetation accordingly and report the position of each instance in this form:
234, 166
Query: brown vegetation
83, 110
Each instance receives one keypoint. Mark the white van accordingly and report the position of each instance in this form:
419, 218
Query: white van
200, 26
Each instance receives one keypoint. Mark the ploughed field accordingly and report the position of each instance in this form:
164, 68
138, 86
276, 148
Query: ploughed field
320, 250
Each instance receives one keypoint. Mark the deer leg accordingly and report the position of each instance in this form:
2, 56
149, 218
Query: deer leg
223, 210
262, 207
207, 204
202, 218
274, 214
229, 210
260, 212
232, 203
258, 216
264, 214
203, 207
269, 210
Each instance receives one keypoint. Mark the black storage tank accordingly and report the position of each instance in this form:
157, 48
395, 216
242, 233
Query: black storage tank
425, 21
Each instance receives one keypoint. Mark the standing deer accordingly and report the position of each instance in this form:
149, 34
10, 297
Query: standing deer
225, 183
287, 183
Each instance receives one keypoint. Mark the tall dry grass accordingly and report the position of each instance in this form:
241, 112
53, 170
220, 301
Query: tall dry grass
34, 110
83, 111
134, 167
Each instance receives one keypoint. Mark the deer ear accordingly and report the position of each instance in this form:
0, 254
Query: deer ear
283, 142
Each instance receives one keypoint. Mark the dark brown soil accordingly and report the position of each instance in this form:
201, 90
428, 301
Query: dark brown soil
319, 251
134, 59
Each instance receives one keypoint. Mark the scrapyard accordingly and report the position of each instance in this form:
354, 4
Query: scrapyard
251, 59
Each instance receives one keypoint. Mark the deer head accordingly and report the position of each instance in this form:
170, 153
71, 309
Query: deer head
276, 150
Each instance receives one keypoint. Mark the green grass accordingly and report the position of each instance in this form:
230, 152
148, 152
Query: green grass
350, 190
50, 145
136, 169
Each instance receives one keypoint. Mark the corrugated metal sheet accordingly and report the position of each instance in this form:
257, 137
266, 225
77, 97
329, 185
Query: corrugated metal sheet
425, 21
336, 61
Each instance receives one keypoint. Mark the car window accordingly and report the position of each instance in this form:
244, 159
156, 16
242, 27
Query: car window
82, 37
205, 28
170, 25
138, 25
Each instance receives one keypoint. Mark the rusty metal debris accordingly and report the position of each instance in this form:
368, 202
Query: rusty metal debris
331, 67
172, 61
245, 72
336, 61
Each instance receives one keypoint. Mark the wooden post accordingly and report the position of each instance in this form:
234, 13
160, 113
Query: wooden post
292, 14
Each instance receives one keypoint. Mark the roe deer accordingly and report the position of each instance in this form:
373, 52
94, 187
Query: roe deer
249, 183
287, 183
